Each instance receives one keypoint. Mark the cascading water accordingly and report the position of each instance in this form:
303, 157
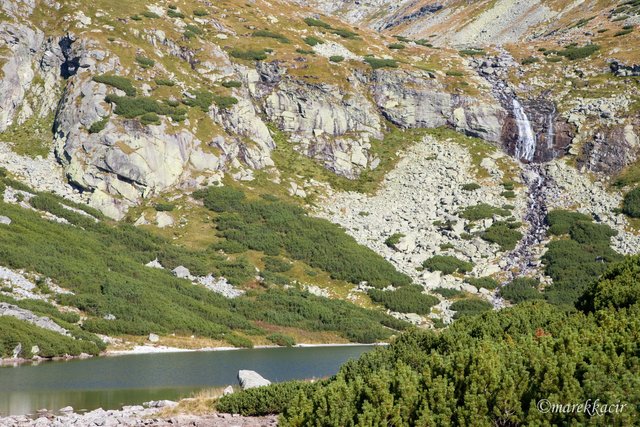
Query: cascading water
526, 143
524, 260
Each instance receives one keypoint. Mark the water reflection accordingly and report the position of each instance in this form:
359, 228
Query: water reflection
111, 382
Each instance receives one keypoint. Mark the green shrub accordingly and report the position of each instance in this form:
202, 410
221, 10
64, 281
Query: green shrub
472, 52
282, 340
271, 35
172, 13
393, 240
396, 46
200, 12
560, 221
471, 186
312, 41
275, 227
130, 107
454, 73
201, 99
623, 32
273, 399
573, 52
336, 58
229, 246
521, 289
97, 127
344, 33
377, 63
423, 42
225, 102
221, 199
447, 292
313, 22
165, 82
276, 265
250, 55
194, 29
504, 234
118, 82
407, 299
573, 266
631, 203
164, 207
150, 119
482, 211
302, 310
231, 84
145, 62
508, 185
590, 233
470, 307
136, 18
149, 14
530, 60
483, 282
447, 264
508, 194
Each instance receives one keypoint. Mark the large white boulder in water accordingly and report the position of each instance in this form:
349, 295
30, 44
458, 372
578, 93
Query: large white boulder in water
251, 379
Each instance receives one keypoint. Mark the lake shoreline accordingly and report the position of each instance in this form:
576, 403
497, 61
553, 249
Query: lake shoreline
160, 349
151, 349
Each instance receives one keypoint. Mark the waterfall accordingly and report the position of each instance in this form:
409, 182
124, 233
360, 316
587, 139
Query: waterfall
526, 144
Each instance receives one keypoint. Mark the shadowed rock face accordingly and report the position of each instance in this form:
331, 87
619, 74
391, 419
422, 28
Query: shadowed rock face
610, 150
553, 134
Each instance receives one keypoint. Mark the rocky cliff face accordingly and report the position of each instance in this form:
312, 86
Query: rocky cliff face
417, 99
332, 117
30, 72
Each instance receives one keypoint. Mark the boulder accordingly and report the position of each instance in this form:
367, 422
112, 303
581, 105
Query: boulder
227, 390
251, 379
153, 337
182, 272
154, 264
163, 220
5, 220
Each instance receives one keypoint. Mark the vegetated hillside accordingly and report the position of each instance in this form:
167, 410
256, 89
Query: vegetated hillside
492, 369
101, 268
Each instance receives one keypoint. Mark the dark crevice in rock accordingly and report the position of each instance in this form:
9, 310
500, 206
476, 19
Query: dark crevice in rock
70, 65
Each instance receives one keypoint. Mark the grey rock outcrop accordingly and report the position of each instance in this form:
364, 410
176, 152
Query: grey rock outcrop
27, 316
251, 379
5, 220
30, 55
126, 161
412, 99
611, 150
324, 121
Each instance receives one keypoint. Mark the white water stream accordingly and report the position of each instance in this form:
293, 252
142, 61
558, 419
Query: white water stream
526, 144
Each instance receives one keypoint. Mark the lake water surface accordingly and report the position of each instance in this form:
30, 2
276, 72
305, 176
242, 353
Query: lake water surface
111, 382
